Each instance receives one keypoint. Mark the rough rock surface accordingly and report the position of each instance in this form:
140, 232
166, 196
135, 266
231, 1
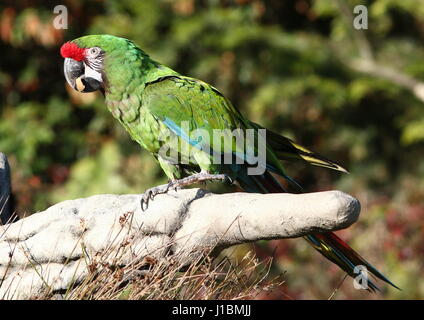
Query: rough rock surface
55, 247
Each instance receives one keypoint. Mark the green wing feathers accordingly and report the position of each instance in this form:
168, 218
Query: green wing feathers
177, 98
286, 149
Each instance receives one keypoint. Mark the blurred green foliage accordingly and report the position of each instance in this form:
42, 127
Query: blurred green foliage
289, 65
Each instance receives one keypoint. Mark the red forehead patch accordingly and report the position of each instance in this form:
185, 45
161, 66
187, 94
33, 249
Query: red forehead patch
71, 50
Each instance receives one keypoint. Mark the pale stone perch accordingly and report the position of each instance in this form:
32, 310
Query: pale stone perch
54, 247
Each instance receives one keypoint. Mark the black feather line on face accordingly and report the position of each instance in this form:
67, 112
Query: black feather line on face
96, 63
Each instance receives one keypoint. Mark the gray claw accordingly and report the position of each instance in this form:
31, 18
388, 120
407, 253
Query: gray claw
151, 193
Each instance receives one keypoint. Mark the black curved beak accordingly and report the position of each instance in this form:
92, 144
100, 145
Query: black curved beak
75, 75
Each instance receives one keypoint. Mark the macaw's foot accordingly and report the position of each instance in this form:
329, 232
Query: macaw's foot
178, 184
151, 193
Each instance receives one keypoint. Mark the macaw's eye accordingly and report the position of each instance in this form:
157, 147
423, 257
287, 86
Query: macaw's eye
94, 52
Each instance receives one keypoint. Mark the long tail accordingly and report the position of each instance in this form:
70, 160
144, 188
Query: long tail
328, 244
286, 149
339, 252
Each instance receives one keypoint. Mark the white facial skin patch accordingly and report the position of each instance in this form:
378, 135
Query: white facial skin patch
90, 73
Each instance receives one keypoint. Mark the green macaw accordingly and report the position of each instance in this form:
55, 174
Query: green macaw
161, 109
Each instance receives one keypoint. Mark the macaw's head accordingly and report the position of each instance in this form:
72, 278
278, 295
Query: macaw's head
87, 59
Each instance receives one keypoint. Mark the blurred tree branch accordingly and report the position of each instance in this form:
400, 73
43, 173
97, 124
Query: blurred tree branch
366, 62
